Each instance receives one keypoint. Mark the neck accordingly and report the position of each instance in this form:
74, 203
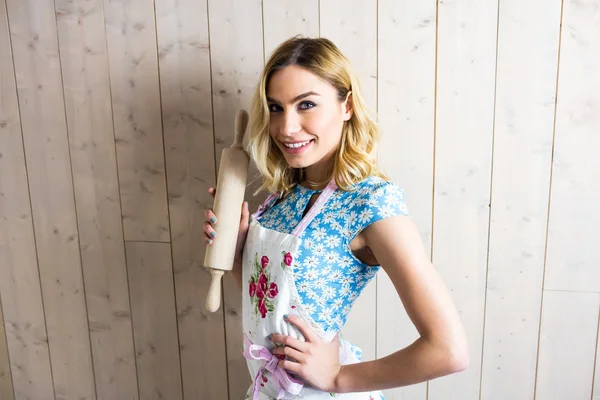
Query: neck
316, 176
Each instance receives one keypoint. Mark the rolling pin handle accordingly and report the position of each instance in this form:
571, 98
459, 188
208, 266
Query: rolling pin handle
241, 122
213, 299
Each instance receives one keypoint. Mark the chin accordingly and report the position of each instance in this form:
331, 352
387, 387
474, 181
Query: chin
297, 164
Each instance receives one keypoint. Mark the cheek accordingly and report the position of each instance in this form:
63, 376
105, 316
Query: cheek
323, 123
273, 126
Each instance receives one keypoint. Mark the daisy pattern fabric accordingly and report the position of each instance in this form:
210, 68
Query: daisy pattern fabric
329, 278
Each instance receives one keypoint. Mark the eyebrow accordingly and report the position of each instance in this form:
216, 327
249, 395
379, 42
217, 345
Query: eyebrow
299, 97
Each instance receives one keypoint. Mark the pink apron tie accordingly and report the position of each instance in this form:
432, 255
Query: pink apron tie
284, 382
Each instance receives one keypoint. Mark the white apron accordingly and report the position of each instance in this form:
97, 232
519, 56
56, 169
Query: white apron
269, 293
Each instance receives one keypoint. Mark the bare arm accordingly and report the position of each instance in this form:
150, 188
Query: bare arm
441, 348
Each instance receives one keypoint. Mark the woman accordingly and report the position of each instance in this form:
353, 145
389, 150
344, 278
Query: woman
331, 221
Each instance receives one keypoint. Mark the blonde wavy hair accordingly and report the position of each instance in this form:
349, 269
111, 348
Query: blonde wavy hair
354, 159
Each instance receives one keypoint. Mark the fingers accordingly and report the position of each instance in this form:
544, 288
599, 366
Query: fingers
290, 352
212, 191
307, 331
209, 232
291, 366
210, 216
289, 341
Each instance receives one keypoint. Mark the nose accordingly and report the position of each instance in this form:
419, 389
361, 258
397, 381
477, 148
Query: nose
290, 123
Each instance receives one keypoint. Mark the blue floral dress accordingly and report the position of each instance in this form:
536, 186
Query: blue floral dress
328, 277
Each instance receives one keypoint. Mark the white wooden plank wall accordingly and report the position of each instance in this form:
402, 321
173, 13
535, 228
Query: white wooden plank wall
22, 304
466, 66
523, 130
113, 116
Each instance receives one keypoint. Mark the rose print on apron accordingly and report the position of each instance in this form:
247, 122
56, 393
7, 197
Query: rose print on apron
261, 288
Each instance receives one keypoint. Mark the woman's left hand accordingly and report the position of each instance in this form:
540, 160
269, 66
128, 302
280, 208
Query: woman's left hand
316, 361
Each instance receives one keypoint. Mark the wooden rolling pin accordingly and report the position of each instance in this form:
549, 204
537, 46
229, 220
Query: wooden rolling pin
229, 197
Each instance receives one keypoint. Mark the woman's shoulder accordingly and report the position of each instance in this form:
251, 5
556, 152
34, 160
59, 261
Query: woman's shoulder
377, 193
373, 181
375, 186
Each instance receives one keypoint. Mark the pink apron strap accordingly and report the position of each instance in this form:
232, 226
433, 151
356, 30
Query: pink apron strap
264, 206
316, 208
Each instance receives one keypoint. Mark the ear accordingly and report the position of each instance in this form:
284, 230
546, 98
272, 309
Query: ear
347, 109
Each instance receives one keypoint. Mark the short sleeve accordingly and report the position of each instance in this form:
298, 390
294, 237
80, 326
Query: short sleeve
373, 203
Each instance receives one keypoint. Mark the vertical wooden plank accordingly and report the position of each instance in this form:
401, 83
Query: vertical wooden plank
6, 385
574, 213
20, 289
154, 320
596, 387
131, 37
406, 101
236, 50
182, 30
287, 18
36, 57
465, 110
84, 63
526, 87
352, 26
567, 345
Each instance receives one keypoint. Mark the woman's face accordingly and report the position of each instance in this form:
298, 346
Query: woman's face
306, 117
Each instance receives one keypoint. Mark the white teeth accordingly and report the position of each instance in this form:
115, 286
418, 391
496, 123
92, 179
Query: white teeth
296, 145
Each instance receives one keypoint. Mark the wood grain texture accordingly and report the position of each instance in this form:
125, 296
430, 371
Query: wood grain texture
406, 98
84, 63
524, 125
184, 59
154, 320
6, 385
20, 290
284, 19
574, 213
568, 335
113, 116
236, 49
39, 84
352, 27
464, 129
132, 50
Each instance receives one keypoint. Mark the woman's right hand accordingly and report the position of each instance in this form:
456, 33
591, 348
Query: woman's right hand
210, 234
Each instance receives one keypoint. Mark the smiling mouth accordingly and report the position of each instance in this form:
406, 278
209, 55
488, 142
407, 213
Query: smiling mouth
296, 145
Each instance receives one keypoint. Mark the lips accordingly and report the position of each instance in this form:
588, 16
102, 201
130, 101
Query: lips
297, 144
296, 147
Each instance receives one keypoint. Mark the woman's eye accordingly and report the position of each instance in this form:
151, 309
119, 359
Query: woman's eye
307, 105
274, 108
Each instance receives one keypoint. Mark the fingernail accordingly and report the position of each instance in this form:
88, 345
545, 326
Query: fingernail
213, 234
213, 220
208, 241
286, 316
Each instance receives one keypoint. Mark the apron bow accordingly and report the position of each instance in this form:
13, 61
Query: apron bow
284, 382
